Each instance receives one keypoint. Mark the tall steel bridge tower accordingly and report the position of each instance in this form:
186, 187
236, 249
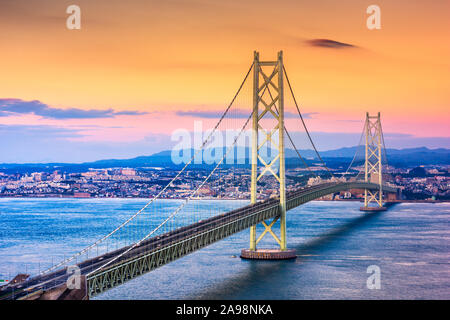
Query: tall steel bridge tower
373, 167
267, 78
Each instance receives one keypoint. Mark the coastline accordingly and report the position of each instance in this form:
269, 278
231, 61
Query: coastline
209, 198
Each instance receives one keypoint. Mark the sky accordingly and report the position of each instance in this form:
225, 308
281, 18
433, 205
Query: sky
137, 71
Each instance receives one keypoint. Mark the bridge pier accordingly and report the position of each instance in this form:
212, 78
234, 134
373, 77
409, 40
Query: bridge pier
268, 254
372, 209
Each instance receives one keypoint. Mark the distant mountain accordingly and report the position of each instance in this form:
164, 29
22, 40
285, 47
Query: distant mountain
398, 157
418, 156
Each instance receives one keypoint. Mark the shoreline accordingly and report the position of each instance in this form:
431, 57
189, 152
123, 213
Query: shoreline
220, 199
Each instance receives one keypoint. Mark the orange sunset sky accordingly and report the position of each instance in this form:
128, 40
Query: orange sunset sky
116, 87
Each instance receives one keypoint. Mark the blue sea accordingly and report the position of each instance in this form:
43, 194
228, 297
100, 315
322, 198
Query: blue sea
335, 243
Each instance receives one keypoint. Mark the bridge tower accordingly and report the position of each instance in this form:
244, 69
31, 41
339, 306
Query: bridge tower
373, 165
267, 78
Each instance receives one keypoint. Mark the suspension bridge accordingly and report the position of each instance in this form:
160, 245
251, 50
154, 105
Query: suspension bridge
160, 233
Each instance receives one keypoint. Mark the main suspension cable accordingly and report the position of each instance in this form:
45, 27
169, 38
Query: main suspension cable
357, 148
304, 125
159, 194
289, 137
384, 147
175, 212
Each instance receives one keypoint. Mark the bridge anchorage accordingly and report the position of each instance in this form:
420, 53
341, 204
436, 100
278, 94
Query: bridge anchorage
262, 96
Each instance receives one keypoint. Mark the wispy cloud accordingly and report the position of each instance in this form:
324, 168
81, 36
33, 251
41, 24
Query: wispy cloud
349, 120
11, 107
327, 43
11, 132
47, 143
239, 114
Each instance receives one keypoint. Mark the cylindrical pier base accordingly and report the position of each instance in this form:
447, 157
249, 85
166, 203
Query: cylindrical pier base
373, 209
268, 254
